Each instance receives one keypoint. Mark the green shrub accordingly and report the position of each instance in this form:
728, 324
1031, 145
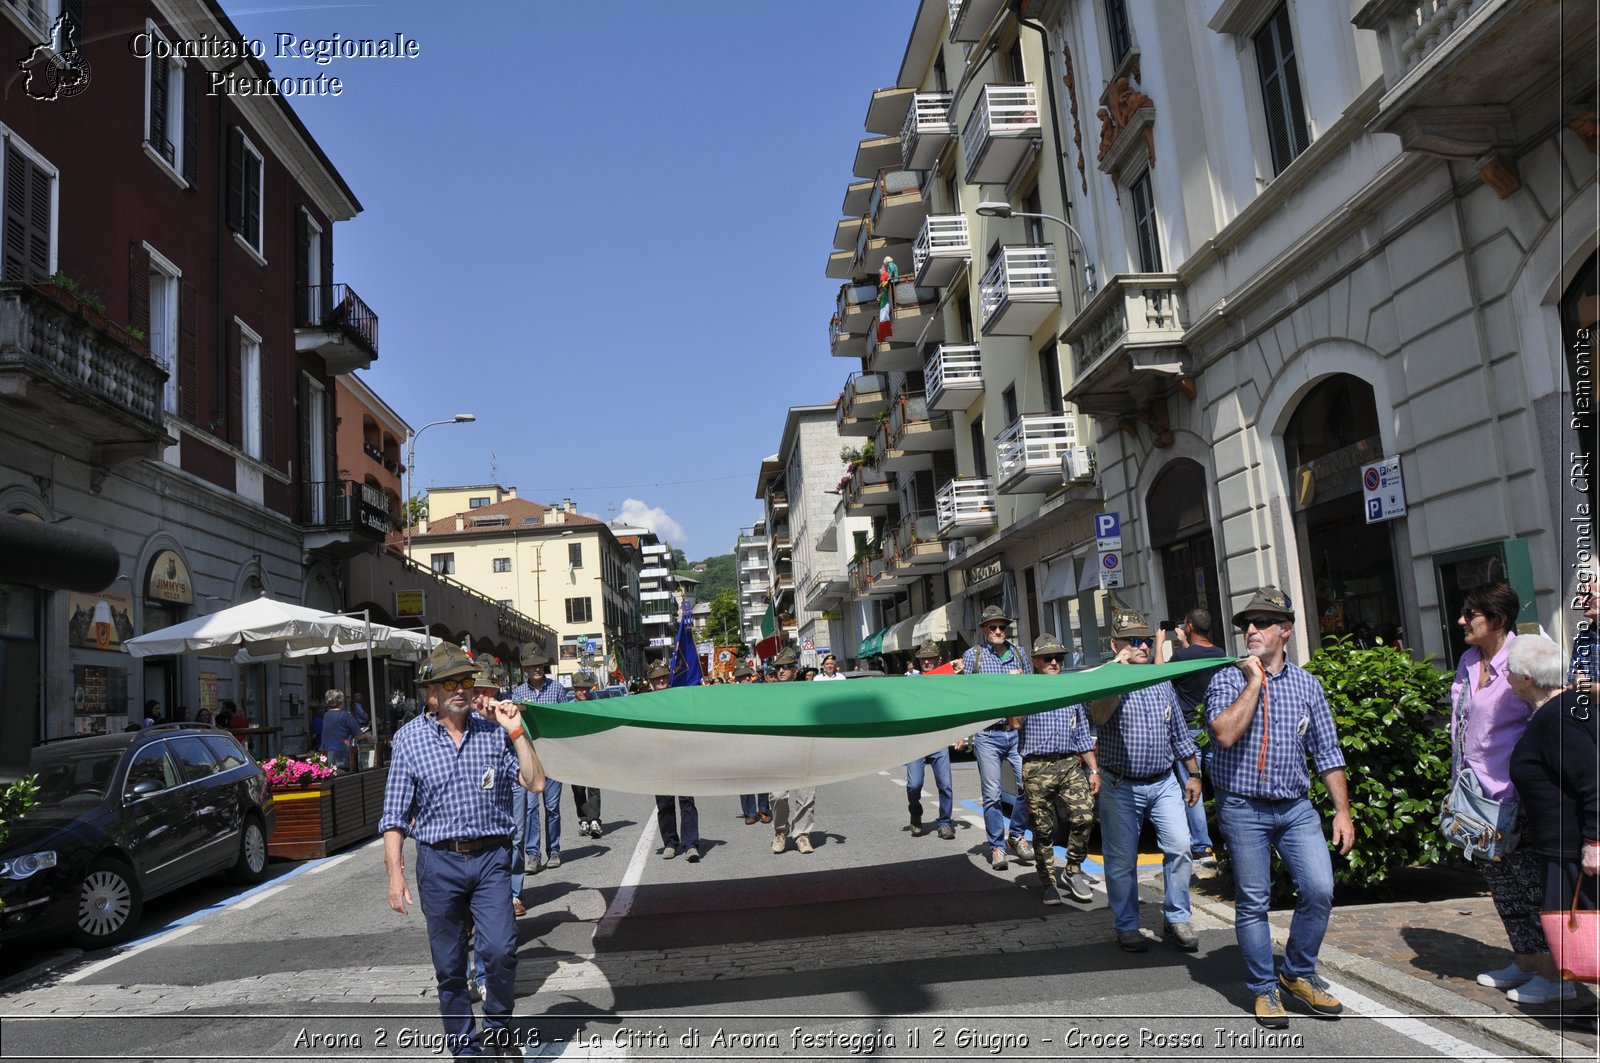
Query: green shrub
1393, 718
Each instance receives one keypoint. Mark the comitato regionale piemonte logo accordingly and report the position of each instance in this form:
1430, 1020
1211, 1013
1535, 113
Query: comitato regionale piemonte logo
56, 69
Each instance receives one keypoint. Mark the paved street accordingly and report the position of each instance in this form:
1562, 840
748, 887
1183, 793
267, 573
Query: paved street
878, 942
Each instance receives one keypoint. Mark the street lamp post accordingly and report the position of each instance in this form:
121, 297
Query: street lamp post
538, 577
1000, 209
411, 457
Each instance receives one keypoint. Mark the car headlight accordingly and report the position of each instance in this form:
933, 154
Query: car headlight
23, 866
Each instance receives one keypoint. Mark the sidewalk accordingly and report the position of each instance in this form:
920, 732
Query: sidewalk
1427, 953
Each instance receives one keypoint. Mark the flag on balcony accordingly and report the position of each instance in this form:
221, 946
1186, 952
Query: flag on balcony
888, 277
718, 740
771, 640
617, 674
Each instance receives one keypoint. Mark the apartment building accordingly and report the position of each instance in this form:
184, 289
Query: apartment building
660, 595
566, 571
753, 560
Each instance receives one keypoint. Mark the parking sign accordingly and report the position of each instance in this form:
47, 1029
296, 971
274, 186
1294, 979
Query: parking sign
1110, 569
1108, 531
1383, 490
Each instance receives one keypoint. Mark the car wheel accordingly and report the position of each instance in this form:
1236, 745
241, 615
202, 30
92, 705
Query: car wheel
252, 863
108, 904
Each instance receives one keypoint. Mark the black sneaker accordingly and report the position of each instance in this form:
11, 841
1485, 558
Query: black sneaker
1052, 895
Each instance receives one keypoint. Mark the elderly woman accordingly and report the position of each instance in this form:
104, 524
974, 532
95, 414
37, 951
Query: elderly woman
1556, 768
339, 726
1486, 720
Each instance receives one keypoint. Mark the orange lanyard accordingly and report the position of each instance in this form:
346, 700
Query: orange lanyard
1266, 728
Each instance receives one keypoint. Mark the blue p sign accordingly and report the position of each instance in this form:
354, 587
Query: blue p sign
1107, 525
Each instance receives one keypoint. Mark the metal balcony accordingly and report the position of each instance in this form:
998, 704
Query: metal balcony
942, 250
848, 231
843, 343
1028, 453
914, 321
897, 208
654, 572
970, 18
825, 588
871, 250
1018, 291
965, 507
1128, 343
917, 543
87, 377
927, 129
655, 618
886, 113
343, 518
856, 309
999, 133
913, 428
332, 322
954, 376
865, 395
870, 492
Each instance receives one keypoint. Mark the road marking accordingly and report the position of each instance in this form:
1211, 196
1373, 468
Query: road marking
332, 862
148, 943
1417, 1030
257, 898
622, 901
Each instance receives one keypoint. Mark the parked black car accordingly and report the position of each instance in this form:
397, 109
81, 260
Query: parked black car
122, 818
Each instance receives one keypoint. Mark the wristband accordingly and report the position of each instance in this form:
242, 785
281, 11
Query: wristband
512, 736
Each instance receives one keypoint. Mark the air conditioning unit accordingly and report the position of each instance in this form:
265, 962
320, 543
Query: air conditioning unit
1077, 464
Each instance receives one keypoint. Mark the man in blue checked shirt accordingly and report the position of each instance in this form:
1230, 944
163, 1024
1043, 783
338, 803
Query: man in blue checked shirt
451, 776
1266, 716
996, 655
540, 688
1142, 734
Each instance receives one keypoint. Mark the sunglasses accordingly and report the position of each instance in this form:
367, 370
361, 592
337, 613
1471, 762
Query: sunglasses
465, 684
1260, 623
1142, 644
1053, 658
1468, 614
995, 627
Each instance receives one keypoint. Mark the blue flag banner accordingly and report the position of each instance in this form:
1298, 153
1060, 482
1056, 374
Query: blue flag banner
685, 658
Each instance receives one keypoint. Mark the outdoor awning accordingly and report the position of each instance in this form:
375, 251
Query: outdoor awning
260, 626
939, 625
898, 639
872, 644
1060, 580
385, 642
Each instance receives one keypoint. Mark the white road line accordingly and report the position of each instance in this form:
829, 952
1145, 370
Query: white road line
1419, 1031
622, 902
333, 862
257, 898
94, 968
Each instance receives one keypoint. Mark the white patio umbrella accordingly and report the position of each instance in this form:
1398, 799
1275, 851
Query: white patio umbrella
263, 626
386, 641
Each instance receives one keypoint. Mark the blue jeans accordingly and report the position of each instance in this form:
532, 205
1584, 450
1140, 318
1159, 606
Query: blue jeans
550, 829
915, 772
755, 805
1124, 807
988, 749
449, 885
1253, 827
1199, 832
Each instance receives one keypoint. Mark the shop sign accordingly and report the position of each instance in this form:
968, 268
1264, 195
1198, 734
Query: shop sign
408, 605
987, 570
169, 580
1383, 490
1334, 475
99, 621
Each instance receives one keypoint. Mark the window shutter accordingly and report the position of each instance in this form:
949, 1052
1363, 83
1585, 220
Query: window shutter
269, 450
188, 353
302, 271
26, 236
234, 426
1287, 135
158, 107
191, 129
252, 200
139, 288
235, 179
308, 475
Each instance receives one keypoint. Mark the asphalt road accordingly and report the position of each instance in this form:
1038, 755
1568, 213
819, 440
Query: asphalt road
878, 943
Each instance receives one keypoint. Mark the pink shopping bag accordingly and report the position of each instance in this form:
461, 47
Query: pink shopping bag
1574, 938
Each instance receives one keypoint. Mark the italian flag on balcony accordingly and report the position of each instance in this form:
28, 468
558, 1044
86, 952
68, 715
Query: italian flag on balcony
888, 277
771, 641
748, 739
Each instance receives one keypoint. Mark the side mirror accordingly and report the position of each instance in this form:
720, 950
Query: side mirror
144, 788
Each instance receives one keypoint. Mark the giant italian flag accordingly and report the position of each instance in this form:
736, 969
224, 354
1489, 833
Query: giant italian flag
740, 739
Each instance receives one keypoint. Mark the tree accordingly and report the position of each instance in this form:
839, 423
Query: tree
721, 574
722, 624
415, 511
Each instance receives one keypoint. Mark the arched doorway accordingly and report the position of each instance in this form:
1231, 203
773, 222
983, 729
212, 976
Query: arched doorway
1180, 535
1351, 587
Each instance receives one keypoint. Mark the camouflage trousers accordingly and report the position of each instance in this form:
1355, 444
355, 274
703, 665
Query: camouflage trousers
1057, 791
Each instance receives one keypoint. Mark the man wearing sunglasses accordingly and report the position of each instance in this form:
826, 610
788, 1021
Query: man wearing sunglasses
1266, 716
995, 655
451, 777
674, 811
1061, 778
541, 688
1142, 734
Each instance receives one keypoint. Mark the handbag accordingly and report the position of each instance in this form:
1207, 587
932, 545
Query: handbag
1574, 938
1485, 829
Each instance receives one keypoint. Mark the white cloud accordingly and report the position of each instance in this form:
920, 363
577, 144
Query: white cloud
653, 517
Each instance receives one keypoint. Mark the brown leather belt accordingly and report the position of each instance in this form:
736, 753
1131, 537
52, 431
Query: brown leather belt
470, 845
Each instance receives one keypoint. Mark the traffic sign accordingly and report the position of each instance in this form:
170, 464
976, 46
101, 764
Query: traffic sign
1383, 490
1108, 531
1110, 568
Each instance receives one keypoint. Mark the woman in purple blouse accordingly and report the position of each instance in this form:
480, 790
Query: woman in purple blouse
1486, 719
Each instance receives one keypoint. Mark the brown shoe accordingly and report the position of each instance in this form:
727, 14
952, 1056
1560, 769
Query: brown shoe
518, 908
803, 842
1269, 1010
1312, 992
749, 821
766, 817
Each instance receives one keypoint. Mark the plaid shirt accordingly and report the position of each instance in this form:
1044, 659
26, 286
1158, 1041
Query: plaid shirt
1299, 721
982, 660
1585, 654
553, 693
1146, 733
450, 791
1063, 730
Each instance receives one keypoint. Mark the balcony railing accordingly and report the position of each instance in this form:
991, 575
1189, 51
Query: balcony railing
954, 375
1028, 453
1128, 342
336, 309
897, 207
654, 572
999, 132
912, 427
964, 507
917, 542
942, 249
864, 396
927, 129
348, 505
969, 18
1018, 291
1418, 28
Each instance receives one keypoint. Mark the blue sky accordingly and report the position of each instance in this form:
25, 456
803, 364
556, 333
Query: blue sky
601, 228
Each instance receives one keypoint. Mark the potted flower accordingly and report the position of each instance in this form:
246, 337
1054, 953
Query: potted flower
286, 772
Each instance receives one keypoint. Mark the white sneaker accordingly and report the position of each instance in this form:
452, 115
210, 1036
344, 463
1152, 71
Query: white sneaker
1507, 977
1538, 990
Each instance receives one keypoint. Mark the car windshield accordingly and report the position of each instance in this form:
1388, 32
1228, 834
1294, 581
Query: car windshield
85, 774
